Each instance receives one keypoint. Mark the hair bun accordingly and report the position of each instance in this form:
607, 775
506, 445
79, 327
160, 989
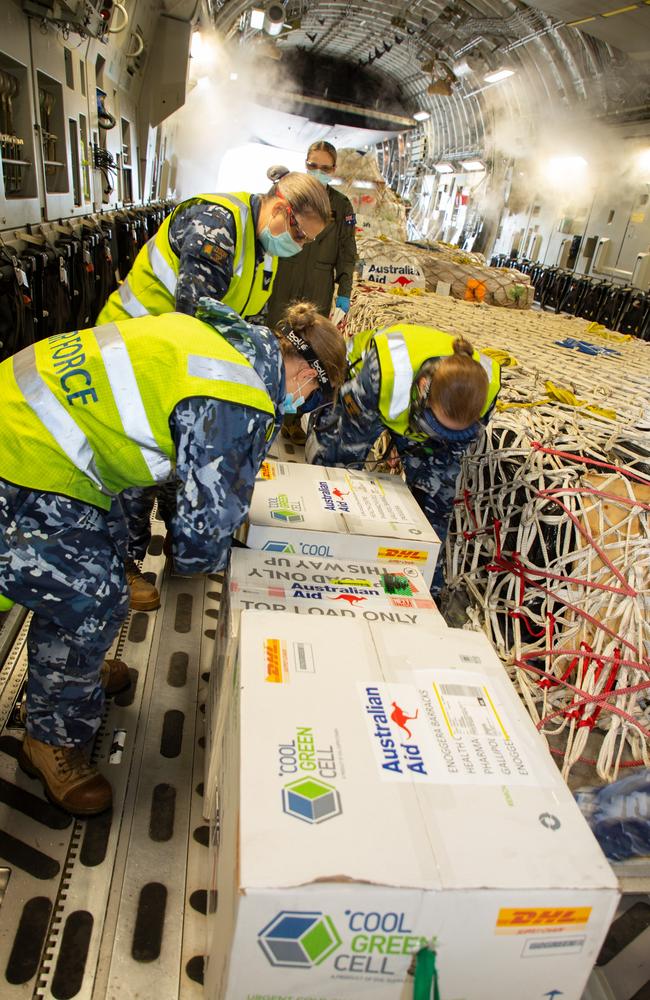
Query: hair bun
301, 315
277, 172
462, 346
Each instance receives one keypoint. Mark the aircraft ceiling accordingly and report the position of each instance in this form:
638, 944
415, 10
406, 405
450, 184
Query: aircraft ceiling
433, 55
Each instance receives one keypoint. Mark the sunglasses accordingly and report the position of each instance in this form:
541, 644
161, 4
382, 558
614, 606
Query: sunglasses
319, 166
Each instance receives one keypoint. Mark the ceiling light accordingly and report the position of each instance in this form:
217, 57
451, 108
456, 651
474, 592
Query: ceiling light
565, 171
498, 74
472, 165
365, 185
421, 116
644, 160
443, 168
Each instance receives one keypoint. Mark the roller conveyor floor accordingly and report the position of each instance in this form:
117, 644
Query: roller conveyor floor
114, 906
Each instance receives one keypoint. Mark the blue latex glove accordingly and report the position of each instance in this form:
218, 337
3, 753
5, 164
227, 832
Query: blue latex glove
342, 302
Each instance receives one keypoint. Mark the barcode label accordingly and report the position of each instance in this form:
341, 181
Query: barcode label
469, 659
303, 658
461, 691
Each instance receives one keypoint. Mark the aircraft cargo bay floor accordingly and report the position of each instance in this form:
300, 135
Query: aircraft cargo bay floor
114, 906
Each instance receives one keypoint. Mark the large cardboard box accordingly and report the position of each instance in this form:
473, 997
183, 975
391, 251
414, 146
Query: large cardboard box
284, 450
318, 587
312, 510
382, 787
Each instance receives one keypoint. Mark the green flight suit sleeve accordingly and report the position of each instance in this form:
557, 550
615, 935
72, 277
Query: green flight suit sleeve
347, 248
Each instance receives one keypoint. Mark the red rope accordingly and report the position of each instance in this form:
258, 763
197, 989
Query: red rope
538, 446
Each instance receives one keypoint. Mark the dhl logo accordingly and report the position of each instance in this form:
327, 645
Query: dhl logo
411, 555
267, 471
513, 919
273, 656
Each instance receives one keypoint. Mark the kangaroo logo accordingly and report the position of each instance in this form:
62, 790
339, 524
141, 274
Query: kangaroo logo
402, 280
352, 599
340, 493
400, 719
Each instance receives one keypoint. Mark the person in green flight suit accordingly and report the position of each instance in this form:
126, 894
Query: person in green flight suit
326, 262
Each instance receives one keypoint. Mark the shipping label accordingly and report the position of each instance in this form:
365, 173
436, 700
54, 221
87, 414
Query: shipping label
450, 729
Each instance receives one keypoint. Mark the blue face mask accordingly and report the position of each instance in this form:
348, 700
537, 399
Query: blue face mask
321, 176
290, 404
432, 427
279, 246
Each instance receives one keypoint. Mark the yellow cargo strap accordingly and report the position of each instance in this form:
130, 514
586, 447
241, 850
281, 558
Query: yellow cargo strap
558, 394
602, 331
503, 358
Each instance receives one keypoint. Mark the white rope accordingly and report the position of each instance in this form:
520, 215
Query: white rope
575, 625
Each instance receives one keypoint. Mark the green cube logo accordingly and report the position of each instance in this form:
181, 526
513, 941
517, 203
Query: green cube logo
311, 800
297, 940
286, 516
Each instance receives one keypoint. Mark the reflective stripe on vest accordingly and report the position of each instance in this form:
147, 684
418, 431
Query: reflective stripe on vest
124, 386
487, 365
238, 264
226, 371
55, 418
132, 304
403, 375
161, 268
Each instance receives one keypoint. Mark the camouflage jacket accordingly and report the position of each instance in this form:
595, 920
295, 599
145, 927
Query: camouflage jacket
197, 225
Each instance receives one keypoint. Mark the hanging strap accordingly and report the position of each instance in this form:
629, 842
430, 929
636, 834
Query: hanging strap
425, 986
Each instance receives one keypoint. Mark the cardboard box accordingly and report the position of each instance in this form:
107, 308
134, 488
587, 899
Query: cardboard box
381, 787
318, 587
283, 450
316, 511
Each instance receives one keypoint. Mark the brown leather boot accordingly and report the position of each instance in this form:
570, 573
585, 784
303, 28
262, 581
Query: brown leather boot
114, 677
68, 778
144, 596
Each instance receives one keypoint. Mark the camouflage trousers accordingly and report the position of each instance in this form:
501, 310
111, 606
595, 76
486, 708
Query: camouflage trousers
137, 505
431, 476
64, 560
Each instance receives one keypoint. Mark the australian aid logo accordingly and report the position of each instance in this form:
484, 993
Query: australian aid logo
333, 498
397, 725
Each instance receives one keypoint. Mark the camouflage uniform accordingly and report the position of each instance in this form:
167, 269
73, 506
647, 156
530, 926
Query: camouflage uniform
344, 434
64, 559
194, 232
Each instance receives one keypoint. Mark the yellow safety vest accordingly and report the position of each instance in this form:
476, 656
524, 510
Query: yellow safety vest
402, 350
86, 414
150, 286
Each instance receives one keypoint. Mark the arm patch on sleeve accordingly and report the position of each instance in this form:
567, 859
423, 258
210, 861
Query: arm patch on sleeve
351, 406
350, 220
213, 252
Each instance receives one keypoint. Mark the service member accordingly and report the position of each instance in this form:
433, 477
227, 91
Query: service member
91, 413
431, 391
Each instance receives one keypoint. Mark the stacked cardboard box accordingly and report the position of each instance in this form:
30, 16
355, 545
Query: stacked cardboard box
381, 788
321, 512
316, 587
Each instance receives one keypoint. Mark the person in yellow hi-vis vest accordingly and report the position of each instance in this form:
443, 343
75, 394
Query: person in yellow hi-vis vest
225, 246
431, 391
91, 413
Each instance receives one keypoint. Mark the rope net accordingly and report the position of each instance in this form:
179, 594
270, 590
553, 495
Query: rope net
549, 538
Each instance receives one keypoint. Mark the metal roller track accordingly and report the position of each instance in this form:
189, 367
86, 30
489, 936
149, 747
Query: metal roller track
113, 906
